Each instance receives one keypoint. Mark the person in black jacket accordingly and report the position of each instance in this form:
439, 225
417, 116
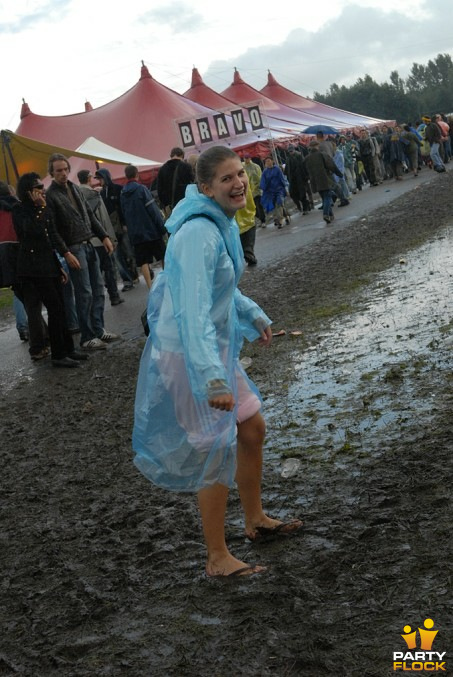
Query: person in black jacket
38, 268
172, 180
75, 225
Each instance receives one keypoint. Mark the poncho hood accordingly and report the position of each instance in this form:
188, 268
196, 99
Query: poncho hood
197, 204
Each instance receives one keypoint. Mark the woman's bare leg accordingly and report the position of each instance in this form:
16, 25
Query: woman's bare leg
212, 502
249, 472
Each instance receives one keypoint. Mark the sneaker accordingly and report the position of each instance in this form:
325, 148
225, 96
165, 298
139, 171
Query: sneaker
94, 344
326, 218
116, 301
23, 335
108, 337
128, 286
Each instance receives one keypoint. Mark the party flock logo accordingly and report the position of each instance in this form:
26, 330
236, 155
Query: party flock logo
419, 657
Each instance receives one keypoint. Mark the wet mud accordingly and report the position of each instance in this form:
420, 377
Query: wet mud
102, 573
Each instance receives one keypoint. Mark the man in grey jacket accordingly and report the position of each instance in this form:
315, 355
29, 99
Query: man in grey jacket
106, 260
76, 225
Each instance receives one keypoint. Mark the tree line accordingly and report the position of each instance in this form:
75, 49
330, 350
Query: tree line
427, 89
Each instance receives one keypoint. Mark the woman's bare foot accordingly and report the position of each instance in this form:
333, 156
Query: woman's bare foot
230, 566
269, 526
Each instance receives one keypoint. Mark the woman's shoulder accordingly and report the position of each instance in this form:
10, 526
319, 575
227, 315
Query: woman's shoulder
199, 227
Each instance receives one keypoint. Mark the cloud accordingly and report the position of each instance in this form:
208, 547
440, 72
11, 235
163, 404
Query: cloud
53, 11
361, 40
177, 16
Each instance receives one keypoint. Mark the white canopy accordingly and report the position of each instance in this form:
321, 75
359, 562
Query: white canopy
96, 148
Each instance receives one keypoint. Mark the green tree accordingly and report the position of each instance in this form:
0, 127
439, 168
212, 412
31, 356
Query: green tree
427, 89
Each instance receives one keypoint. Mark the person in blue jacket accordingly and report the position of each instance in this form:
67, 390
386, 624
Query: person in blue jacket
198, 426
144, 221
274, 187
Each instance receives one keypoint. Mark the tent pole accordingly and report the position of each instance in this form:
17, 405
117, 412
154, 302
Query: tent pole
5, 144
270, 140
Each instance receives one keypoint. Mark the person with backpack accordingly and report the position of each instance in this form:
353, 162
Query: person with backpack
145, 224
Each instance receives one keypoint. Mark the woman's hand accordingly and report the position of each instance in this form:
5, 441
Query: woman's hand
37, 197
64, 277
223, 402
266, 337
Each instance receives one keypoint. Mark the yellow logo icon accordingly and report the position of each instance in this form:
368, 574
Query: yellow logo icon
423, 658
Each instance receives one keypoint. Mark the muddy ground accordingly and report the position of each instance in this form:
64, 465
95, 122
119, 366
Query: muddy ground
102, 573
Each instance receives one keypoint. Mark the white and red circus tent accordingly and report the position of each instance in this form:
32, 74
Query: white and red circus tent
144, 121
149, 119
331, 116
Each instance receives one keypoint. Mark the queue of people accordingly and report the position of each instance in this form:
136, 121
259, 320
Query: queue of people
102, 230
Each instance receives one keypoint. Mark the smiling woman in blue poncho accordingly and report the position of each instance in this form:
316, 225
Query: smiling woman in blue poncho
198, 425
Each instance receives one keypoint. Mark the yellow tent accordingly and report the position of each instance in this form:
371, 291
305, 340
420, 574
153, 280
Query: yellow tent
20, 155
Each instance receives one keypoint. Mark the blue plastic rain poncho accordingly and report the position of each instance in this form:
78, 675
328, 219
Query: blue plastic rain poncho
197, 319
273, 185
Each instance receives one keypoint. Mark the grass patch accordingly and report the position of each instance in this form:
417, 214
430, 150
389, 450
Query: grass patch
6, 299
324, 312
446, 328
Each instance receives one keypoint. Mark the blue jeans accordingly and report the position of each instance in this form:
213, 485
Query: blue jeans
21, 315
106, 264
125, 259
326, 197
69, 301
88, 291
435, 155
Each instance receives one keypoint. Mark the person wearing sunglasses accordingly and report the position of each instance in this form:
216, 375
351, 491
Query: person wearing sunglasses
39, 270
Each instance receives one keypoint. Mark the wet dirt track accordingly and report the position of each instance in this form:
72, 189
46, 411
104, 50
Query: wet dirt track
103, 573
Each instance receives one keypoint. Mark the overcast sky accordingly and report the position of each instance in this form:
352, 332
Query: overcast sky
57, 54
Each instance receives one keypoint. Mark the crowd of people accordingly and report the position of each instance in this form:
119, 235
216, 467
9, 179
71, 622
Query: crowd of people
61, 248
198, 425
101, 232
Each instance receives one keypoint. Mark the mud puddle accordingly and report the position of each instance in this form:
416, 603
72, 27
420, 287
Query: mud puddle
365, 376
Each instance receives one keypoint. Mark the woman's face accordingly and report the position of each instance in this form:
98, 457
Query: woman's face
229, 186
37, 193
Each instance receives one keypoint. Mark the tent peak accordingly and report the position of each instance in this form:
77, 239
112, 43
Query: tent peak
270, 79
144, 73
237, 80
25, 110
196, 77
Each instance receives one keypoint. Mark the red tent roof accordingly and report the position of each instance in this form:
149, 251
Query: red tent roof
332, 116
241, 93
142, 121
204, 95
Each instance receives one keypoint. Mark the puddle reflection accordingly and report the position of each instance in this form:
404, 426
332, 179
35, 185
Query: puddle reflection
366, 374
